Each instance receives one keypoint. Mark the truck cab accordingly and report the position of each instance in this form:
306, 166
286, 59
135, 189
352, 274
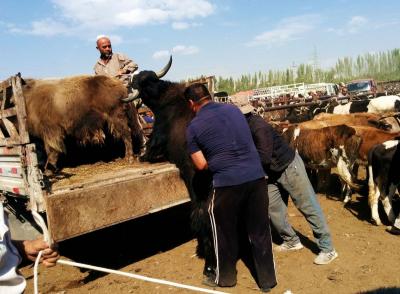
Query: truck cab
365, 88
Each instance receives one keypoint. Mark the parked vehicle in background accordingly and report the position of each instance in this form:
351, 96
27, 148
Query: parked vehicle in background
365, 88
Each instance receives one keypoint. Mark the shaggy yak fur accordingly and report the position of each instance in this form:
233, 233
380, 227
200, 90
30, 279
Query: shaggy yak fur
79, 107
168, 142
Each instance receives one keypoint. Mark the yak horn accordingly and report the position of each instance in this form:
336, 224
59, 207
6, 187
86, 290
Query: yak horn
166, 68
132, 96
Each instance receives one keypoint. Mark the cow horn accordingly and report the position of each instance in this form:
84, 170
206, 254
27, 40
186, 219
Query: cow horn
166, 68
132, 96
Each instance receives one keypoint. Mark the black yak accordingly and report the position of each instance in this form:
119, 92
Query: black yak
168, 142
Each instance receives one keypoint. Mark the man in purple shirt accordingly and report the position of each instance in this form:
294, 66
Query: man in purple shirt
219, 139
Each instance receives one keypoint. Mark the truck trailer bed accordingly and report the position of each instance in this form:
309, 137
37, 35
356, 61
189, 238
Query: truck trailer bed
91, 197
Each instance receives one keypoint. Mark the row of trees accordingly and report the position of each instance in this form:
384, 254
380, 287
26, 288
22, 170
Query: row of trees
383, 66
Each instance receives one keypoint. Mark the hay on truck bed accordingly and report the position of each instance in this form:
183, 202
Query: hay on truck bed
83, 174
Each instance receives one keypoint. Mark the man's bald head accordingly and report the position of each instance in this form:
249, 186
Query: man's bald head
101, 37
104, 46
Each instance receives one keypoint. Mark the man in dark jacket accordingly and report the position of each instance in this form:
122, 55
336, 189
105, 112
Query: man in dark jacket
286, 171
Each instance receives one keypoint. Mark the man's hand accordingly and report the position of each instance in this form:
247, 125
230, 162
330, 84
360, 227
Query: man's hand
121, 72
30, 249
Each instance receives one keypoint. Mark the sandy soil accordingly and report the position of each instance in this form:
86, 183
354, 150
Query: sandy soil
161, 246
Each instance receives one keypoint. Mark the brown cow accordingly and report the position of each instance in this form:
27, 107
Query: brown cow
80, 107
315, 146
333, 146
363, 123
353, 119
371, 136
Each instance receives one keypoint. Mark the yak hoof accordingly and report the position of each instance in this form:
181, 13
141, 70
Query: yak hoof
130, 159
143, 158
50, 170
48, 173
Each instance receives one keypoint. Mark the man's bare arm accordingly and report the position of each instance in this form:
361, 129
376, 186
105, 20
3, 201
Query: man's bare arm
199, 160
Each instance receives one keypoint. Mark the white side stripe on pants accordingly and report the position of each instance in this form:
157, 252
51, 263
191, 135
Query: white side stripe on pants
214, 232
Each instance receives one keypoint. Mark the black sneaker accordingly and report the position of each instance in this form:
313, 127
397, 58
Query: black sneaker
393, 230
209, 271
265, 290
209, 281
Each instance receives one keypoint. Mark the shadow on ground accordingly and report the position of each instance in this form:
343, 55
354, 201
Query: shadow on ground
129, 242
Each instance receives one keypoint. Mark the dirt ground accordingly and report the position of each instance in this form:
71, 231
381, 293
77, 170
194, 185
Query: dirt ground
161, 246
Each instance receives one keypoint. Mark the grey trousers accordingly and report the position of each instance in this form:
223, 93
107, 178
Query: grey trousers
295, 181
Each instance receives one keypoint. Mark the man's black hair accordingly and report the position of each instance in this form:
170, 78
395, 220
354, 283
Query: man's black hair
197, 92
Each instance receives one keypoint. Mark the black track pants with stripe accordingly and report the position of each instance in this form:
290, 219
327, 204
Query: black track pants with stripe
227, 207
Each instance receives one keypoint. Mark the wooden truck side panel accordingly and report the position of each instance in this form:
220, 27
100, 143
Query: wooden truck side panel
125, 196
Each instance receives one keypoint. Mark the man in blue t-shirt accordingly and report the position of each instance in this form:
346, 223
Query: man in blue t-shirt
219, 139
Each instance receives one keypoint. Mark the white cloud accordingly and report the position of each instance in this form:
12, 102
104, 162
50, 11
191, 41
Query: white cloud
287, 30
180, 25
176, 50
116, 39
77, 15
184, 25
161, 54
46, 27
354, 25
185, 50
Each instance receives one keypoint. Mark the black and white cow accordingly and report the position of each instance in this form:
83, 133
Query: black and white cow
383, 104
383, 177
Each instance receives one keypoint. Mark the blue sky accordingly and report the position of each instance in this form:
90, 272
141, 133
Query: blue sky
56, 38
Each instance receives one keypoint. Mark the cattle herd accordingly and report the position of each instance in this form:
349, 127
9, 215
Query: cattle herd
359, 133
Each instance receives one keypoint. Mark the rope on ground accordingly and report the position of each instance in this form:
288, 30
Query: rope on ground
139, 277
39, 220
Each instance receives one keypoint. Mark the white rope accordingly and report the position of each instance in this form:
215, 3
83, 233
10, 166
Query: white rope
139, 277
35, 273
39, 220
